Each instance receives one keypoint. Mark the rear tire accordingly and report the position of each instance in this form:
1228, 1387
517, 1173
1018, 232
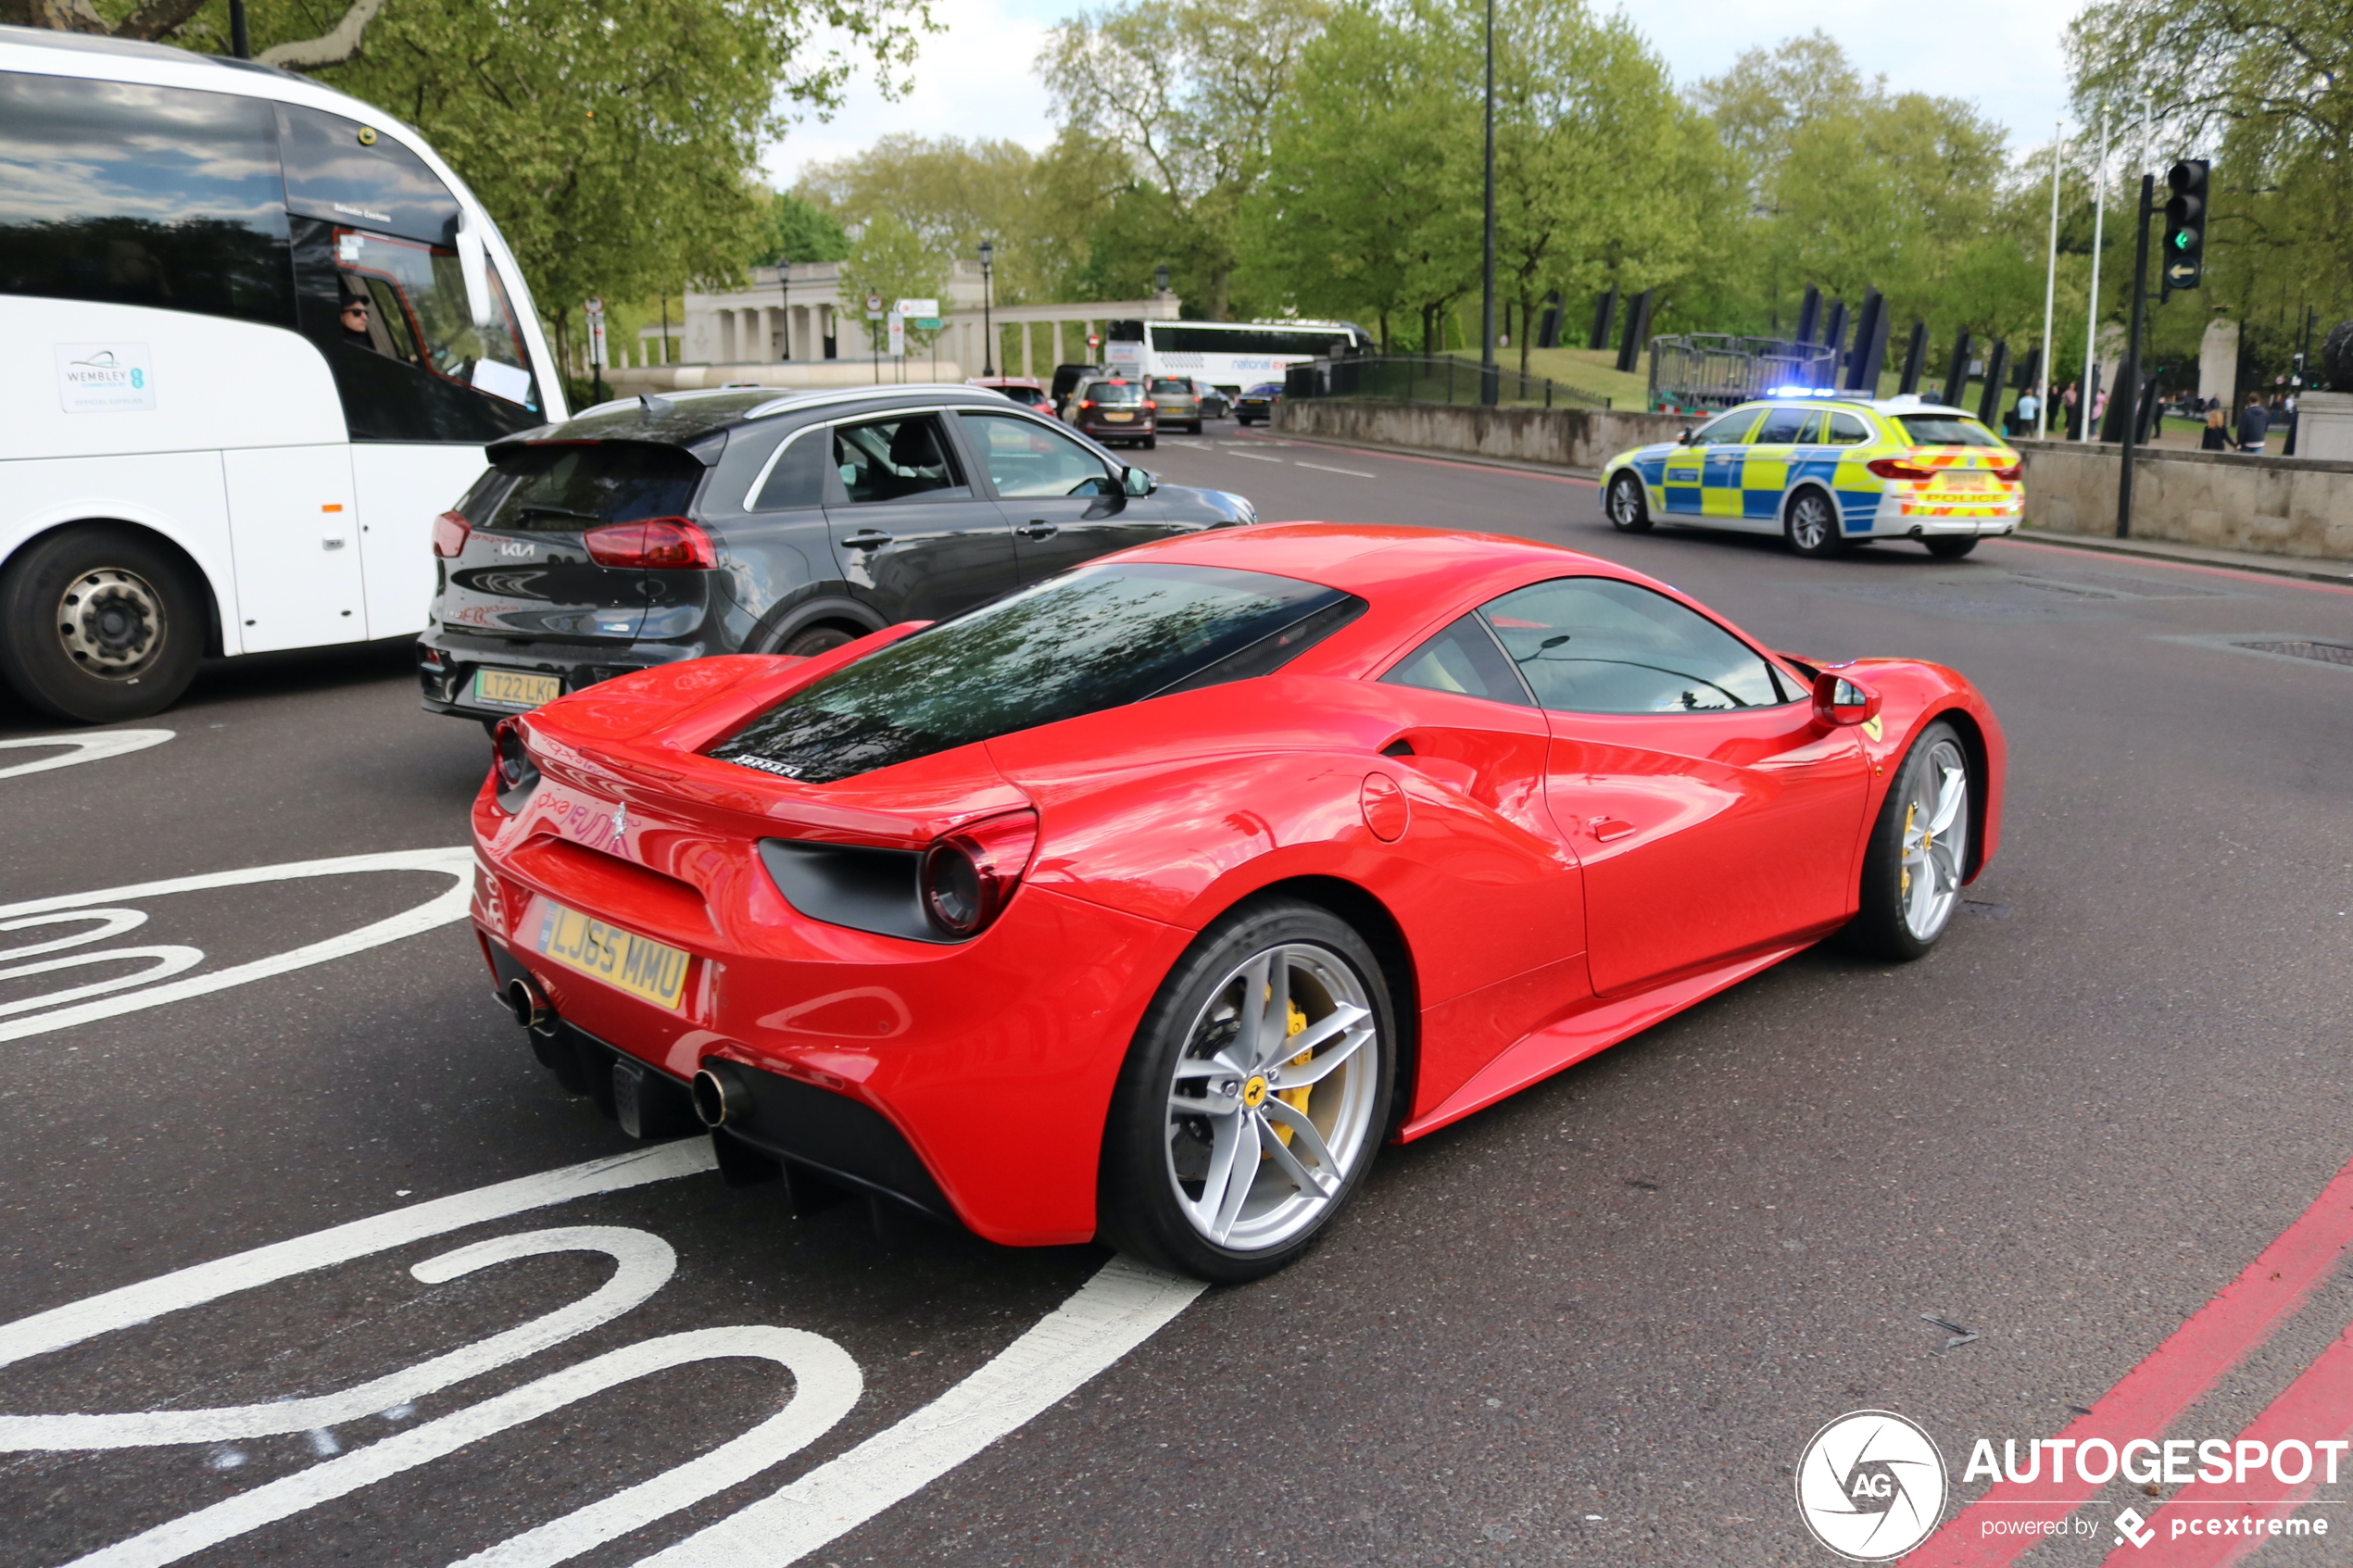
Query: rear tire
810, 641
1194, 428
1810, 524
1630, 509
99, 623
1162, 1197
1151, 442
1918, 853
1950, 549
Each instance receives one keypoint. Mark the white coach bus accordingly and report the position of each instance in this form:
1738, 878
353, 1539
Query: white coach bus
254, 335
1232, 355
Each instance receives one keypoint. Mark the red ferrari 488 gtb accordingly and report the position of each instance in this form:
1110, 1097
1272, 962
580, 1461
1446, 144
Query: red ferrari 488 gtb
1148, 902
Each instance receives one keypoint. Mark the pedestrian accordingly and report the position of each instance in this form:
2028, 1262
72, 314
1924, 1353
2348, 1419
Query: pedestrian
2030, 407
2255, 424
2216, 435
2074, 417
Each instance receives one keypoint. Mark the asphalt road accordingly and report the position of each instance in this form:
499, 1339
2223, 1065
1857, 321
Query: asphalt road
1596, 1323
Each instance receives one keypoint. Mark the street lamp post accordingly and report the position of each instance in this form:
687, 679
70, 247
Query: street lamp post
987, 323
784, 293
1488, 387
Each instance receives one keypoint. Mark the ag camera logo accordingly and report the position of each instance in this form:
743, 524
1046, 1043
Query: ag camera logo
1871, 1486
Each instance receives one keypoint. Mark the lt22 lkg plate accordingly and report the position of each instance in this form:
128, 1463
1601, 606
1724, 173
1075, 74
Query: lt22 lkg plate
516, 689
634, 963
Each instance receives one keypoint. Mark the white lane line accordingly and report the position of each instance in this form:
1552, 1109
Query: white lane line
194, 1285
826, 1383
1326, 468
447, 906
88, 748
647, 1262
1255, 457
1123, 1306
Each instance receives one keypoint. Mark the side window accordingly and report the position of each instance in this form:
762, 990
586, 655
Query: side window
901, 459
1593, 644
1811, 434
348, 174
798, 476
1726, 431
1784, 427
1847, 430
142, 195
1026, 458
1461, 658
408, 300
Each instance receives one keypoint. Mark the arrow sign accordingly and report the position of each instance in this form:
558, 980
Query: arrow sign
2180, 274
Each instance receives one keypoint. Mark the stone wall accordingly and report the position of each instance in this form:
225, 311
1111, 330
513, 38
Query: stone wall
2225, 500
1574, 438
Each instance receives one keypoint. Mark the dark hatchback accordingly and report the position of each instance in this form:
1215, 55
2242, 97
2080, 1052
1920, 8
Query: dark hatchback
1258, 403
743, 522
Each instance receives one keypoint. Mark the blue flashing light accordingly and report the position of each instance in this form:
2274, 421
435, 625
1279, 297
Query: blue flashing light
1802, 392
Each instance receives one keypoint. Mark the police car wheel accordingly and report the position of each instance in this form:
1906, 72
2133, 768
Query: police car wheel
1629, 511
1811, 525
1950, 549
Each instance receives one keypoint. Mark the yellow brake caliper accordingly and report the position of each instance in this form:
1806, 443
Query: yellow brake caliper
1903, 866
1295, 1098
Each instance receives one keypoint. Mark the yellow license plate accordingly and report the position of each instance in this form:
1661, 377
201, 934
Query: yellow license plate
641, 967
1119, 419
516, 689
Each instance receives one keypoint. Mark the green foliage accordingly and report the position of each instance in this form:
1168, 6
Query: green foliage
797, 230
891, 260
2265, 89
613, 141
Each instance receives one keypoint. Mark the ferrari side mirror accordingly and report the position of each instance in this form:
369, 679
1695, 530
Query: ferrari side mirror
1838, 701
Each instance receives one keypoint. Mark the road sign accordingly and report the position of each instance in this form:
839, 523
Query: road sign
927, 323
918, 308
874, 305
597, 330
898, 335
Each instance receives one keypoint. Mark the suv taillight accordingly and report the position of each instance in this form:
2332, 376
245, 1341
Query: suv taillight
969, 877
449, 535
661, 542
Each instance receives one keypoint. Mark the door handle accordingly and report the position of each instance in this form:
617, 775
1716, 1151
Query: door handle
1038, 528
867, 539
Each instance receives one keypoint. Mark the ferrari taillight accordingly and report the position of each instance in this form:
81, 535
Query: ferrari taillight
1896, 468
449, 535
969, 877
661, 542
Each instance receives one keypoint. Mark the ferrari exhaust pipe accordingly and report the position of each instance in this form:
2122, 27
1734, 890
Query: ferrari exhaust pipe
721, 1096
530, 1006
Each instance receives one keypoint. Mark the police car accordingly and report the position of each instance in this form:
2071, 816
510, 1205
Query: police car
1827, 473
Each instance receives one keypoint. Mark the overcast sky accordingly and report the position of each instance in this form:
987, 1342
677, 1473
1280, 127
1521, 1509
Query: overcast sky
975, 79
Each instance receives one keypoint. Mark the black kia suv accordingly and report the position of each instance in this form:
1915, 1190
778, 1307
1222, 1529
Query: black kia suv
749, 521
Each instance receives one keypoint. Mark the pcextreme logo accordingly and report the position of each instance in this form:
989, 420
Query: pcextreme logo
1871, 1486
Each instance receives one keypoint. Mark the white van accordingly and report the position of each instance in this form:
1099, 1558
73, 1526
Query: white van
254, 336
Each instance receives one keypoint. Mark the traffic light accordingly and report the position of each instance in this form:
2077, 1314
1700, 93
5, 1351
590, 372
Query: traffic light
2185, 224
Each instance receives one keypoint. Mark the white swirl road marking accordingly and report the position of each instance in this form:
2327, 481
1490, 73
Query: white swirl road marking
90, 746
66, 1009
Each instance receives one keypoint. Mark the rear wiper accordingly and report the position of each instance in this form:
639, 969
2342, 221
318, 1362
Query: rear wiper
558, 511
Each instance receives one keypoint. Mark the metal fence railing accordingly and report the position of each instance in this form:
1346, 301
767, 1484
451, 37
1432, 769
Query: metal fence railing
1705, 370
1414, 378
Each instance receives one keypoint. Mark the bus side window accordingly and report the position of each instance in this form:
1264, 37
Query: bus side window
346, 172
129, 194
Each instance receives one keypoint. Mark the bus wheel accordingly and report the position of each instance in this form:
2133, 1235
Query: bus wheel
98, 624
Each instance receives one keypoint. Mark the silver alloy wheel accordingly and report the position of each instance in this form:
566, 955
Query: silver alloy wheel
1271, 1102
1812, 524
1936, 840
111, 623
1625, 503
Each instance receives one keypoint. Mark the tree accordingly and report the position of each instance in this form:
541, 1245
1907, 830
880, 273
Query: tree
798, 231
891, 259
1189, 88
2264, 88
177, 22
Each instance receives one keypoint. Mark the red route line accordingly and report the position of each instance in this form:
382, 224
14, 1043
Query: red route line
2169, 1381
2318, 1404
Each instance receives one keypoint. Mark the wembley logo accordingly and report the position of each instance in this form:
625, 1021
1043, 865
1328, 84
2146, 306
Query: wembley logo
1871, 1485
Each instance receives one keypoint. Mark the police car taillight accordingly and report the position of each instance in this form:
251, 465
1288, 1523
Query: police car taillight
1896, 468
2012, 474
